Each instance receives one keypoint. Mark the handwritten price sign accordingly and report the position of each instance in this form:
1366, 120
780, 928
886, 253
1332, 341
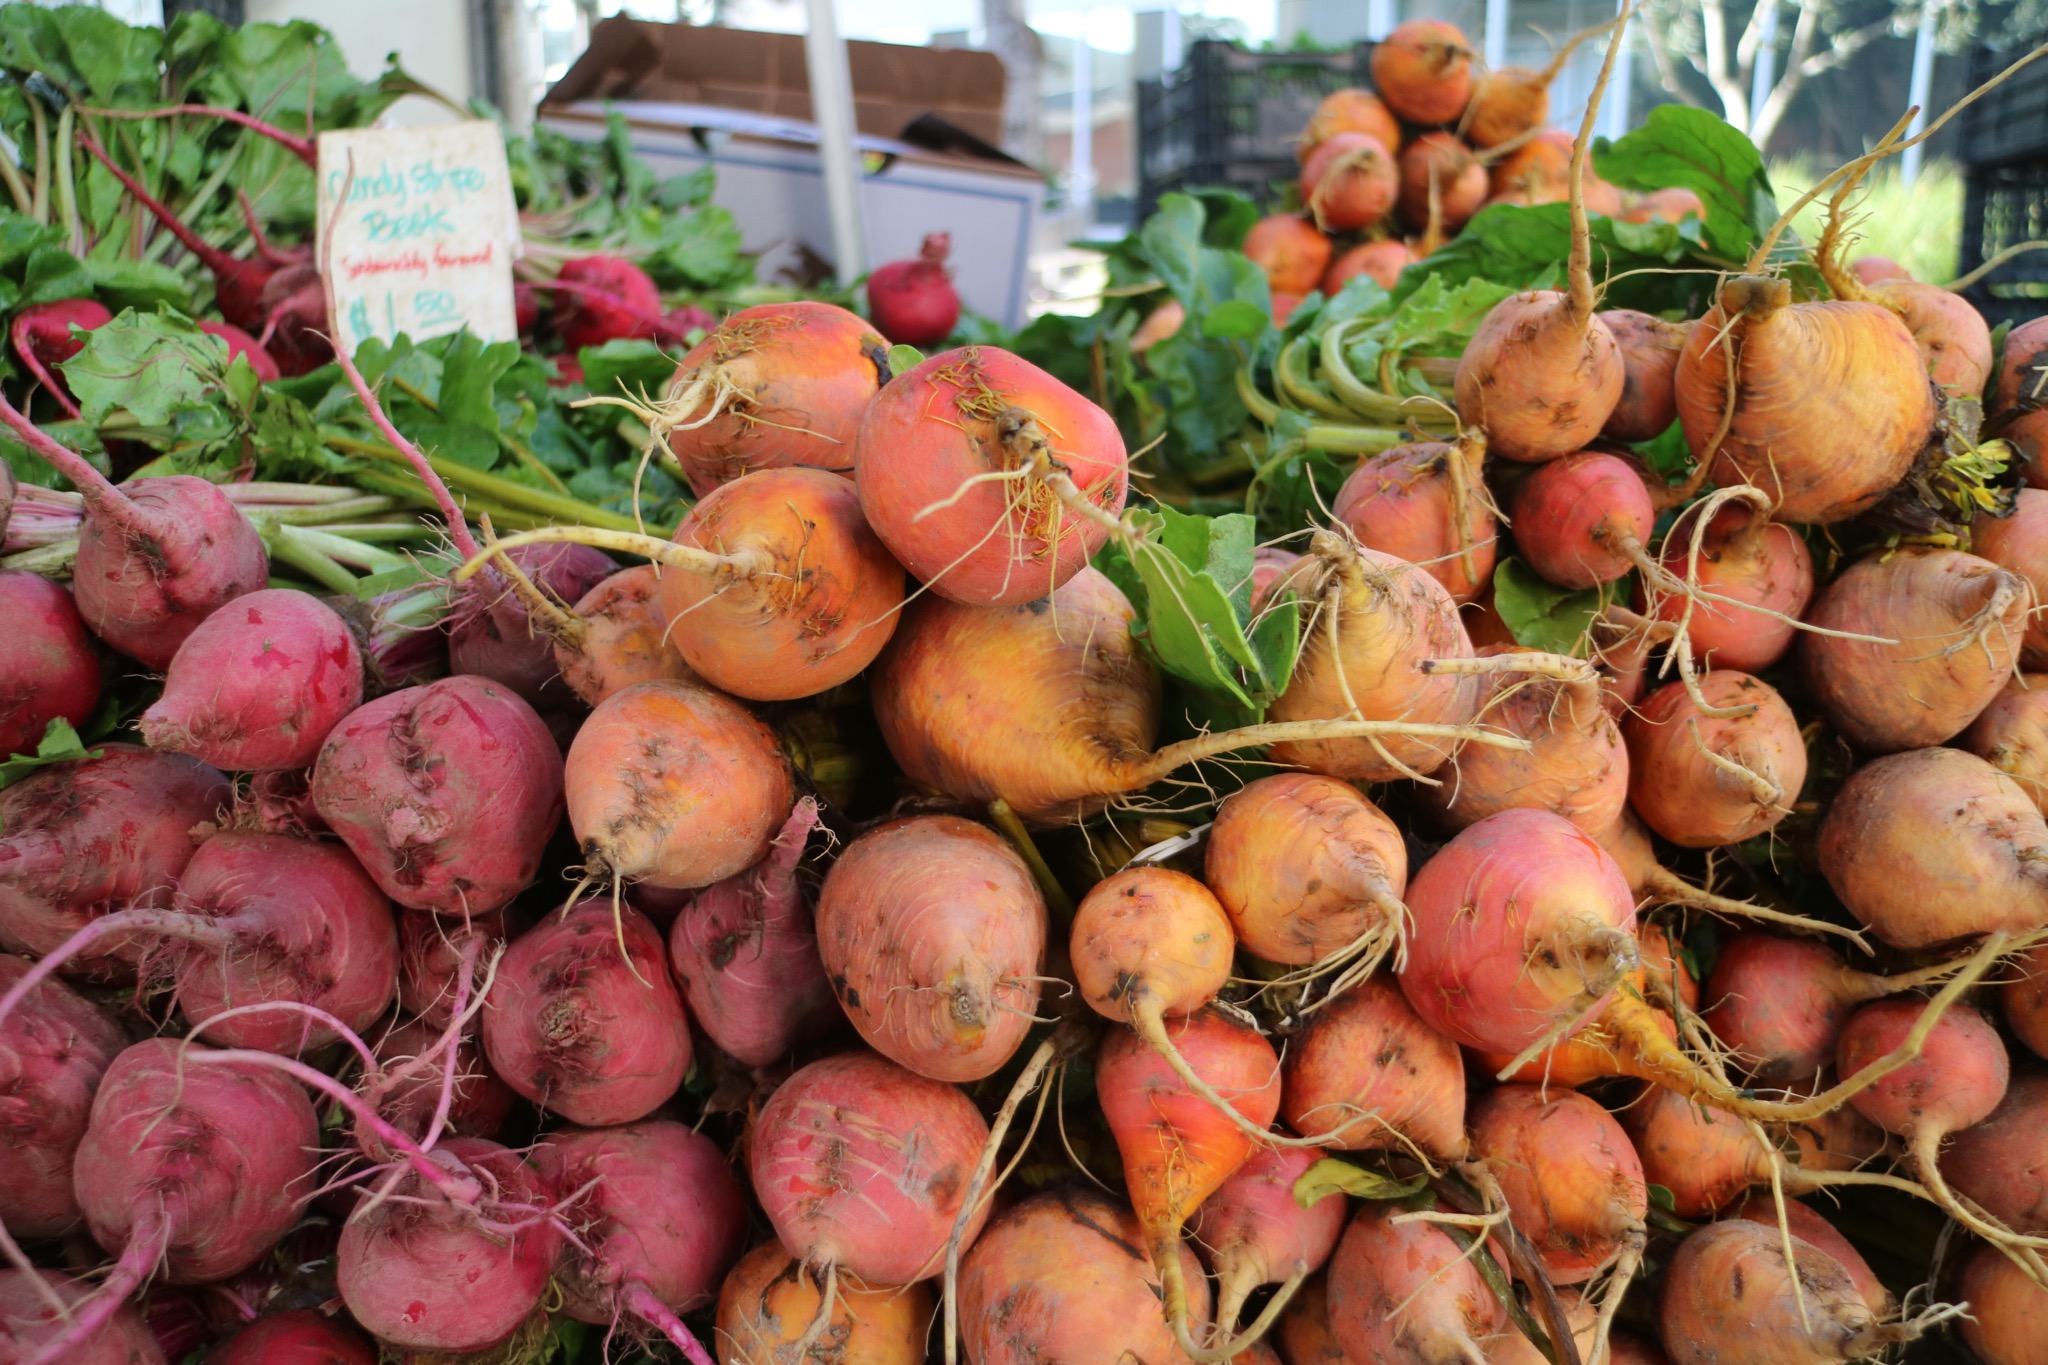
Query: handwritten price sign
424, 238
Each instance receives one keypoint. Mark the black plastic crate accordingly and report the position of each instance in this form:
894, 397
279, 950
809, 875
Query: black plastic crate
2011, 121
1231, 117
2003, 205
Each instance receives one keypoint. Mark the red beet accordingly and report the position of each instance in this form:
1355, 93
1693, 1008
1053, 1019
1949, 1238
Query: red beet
299, 1336
53, 1051
662, 1225
491, 634
914, 302
614, 301
423, 1272
48, 667
77, 839
584, 1019
156, 557
447, 792
746, 954
259, 686
29, 1321
1744, 556
42, 338
1583, 520
241, 343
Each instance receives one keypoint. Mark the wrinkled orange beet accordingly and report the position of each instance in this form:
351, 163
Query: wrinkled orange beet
1366, 1056
1673, 205
1572, 1179
1303, 1331
2024, 997
1423, 71
624, 638
1540, 381
1304, 866
1935, 845
1538, 172
1730, 1282
2014, 410
2011, 734
1159, 324
1751, 559
1349, 182
1043, 705
1506, 104
1291, 252
1810, 1227
1705, 1157
1958, 621
1831, 400
2020, 543
1954, 339
1349, 111
769, 1299
1063, 1276
1391, 617
1149, 938
2000, 1163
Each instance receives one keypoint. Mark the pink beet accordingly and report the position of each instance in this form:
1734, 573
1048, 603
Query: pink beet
1253, 1232
913, 302
582, 1028
447, 793
1427, 503
428, 1274
745, 953
492, 636
48, 667
307, 923
1748, 558
29, 1322
77, 839
614, 300
665, 1219
258, 686
53, 1052
42, 339
240, 343
155, 557
409, 1088
260, 918
1512, 918
862, 1166
1583, 520
298, 1336
193, 1165
430, 955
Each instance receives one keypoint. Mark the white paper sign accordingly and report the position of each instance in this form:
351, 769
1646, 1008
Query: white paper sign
425, 240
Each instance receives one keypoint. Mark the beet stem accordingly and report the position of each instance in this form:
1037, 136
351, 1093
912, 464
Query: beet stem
34, 362
1231, 1347
223, 933
641, 1301
210, 256
740, 565
300, 147
1145, 771
106, 500
147, 1239
1026, 1082
1580, 269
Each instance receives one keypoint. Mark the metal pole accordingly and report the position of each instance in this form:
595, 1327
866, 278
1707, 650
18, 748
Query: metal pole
1764, 74
1379, 19
1081, 158
1496, 42
838, 155
1923, 80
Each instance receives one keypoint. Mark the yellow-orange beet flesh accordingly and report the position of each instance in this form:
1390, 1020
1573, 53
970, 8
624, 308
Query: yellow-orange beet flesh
769, 1300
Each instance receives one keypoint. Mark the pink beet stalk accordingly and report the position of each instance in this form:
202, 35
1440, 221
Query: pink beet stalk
42, 338
154, 560
300, 147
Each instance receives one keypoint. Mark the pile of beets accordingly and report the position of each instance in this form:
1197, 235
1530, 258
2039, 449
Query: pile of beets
343, 1020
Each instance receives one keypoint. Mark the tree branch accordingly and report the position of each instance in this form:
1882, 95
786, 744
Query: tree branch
1753, 35
1667, 70
1733, 94
1843, 46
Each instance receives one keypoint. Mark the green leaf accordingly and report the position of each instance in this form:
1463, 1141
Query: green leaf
125, 283
1331, 1176
903, 358
1681, 147
627, 367
150, 364
1662, 1198
1236, 319
60, 744
1542, 615
1193, 579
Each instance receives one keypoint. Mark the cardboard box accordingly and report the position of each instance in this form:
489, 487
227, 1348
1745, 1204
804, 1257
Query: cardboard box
740, 102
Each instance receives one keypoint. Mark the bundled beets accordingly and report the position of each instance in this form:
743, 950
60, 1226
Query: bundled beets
347, 1020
